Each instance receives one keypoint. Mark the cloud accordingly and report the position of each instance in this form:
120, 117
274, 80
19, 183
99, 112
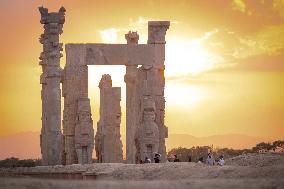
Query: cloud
239, 5
138, 24
278, 6
116, 35
109, 35
267, 41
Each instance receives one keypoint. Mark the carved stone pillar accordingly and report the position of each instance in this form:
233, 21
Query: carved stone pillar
148, 131
132, 101
51, 137
77, 122
84, 132
155, 80
108, 143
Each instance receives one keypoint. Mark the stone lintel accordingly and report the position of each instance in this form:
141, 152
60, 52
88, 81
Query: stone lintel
116, 54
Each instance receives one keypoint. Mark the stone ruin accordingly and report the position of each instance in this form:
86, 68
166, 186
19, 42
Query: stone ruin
107, 140
145, 101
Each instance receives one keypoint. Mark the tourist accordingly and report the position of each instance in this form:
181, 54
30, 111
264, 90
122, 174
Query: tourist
210, 160
221, 161
157, 158
176, 159
147, 160
189, 158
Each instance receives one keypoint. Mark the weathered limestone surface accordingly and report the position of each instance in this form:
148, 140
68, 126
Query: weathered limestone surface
84, 132
156, 81
51, 137
114, 54
132, 101
145, 102
77, 121
108, 143
148, 131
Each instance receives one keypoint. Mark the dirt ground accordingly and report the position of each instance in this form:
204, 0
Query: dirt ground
245, 171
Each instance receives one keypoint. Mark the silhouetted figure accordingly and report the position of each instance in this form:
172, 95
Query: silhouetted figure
176, 159
189, 158
157, 158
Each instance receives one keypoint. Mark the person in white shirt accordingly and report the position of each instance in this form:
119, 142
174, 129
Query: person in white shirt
221, 161
147, 160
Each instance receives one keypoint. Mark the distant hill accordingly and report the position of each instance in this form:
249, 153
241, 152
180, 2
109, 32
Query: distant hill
26, 145
236, 141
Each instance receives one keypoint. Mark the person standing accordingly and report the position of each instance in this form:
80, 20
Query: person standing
189, 158
157, 158
147, 160
176, 158
221, 161
210, 160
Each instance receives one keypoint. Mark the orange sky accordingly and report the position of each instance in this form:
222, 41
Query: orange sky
224, 61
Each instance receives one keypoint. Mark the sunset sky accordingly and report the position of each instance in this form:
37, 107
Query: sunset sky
224, 61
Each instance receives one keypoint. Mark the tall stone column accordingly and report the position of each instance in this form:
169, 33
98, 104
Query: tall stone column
132, 98
51, 137
155, 80
108, 143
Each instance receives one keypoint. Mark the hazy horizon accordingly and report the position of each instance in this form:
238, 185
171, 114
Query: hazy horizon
223, 75
25, 145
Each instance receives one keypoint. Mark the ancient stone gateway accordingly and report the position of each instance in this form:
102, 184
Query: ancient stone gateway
145, 102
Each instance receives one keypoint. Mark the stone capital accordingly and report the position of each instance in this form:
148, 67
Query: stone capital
53, 17
132, 37
157, 31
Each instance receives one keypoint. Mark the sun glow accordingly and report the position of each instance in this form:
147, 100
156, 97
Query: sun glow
185, 56
184, 96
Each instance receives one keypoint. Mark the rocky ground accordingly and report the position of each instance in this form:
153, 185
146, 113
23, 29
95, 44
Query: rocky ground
245, 171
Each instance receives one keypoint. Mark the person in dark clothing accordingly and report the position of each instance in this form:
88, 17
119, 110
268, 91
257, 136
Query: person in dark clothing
157, 158
189, 158
176, 159
147, 160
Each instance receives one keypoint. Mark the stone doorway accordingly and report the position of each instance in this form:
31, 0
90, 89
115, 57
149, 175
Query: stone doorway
117, 73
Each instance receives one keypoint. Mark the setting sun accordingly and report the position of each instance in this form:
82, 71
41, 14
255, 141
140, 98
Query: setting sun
186, 56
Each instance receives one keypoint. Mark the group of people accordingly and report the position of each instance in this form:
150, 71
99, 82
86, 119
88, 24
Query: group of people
209, 161
157, 157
